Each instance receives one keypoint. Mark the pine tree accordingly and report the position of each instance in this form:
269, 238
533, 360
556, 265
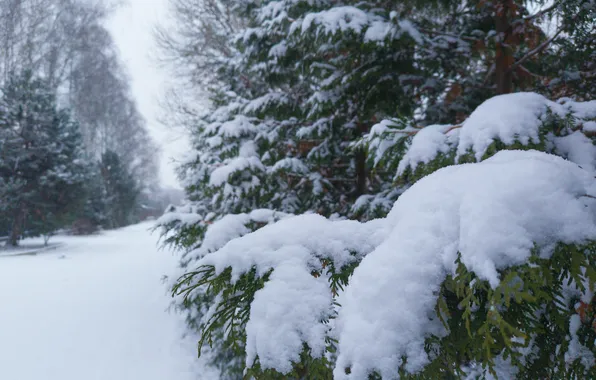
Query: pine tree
42, 167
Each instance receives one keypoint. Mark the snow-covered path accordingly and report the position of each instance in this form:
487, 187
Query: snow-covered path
94, 309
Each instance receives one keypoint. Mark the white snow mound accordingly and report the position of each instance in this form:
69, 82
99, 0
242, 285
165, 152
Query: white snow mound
509, 118
491, 213
288, 310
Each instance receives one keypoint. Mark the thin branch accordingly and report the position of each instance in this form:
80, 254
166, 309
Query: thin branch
436, 32
412, 133
535, 51
541, 13
409, 133
489, 74
452, 128
525, 69
543, 45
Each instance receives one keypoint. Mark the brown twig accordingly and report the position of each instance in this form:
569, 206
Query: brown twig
531, 73
452, 128
543, 45
488, 75
535, 51
541, 13
409, 133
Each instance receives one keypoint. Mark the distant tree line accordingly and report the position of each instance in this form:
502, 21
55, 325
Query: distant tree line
74, 149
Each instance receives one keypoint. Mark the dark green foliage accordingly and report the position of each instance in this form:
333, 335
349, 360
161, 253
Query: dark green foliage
120, 189
530, 309
224, 331
42, 168
306, 368
312, 113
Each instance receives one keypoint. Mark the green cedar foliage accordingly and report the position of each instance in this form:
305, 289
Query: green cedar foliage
538, 321
315, 110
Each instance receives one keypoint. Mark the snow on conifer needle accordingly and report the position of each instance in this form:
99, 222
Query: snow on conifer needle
232, 226
293, 248
427, 144
492, 213
518, 118
506, 117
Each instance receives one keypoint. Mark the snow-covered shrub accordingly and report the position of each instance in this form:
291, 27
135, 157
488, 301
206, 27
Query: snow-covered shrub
482, 268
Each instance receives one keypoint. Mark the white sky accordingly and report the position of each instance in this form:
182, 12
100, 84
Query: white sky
131, 26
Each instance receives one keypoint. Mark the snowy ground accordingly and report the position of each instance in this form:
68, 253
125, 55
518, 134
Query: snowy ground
28, 248
93, 309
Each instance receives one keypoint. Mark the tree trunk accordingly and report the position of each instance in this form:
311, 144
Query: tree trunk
361, 172
15, 232
504, 56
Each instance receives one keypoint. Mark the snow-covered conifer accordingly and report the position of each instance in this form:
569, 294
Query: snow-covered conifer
343, 108
480, 268
42, 165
